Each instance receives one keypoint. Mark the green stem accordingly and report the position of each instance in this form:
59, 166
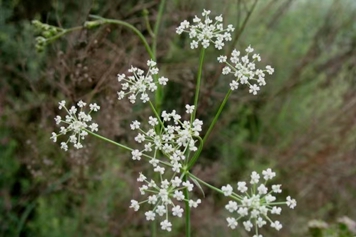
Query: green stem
197, 88
217, 115
206, 184
196, 155
108, 140
156, 27
131, 27
65, 31
159, 91
156, 114
187, 209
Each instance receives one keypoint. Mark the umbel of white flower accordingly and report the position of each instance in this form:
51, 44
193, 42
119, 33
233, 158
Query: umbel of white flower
166, 144
206, 32
76, 123
244, 70
169, 136
139, 83
164, 197
255, 205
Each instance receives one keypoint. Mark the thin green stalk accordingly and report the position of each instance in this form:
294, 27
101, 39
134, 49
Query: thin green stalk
187, 209
206, 184
197, 88
157, 26
217, 115
196, 155
65, 31
108, 140
131, 27
159, 92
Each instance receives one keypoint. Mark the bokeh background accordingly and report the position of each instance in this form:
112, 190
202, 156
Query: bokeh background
302, 124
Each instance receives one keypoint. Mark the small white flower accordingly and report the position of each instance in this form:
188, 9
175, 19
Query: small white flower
81, 104
254, 89
163, 81
94, 127
276, 188
255, 178
268, 174
227, 190
232, 206
194, 203
190, 108
135, 125
135, 205
166, 225
136, 155
262, 189
277, 225
249, 49
161, 210
292, 203
177, 211
234, 85
248, 225
226, 70
188, 185
222, 59
241, 186
150, 215
94, 107
260, 222
231, 222
176, 181
276, 210
178, 195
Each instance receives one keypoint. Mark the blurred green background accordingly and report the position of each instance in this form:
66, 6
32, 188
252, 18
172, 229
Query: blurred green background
302, 124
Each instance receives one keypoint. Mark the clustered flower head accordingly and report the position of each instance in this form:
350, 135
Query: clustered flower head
139, 83
244, 70
76, 123
171, 138
165, 197
257, 204
205, 31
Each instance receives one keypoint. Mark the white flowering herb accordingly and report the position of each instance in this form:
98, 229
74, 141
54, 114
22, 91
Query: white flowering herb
139, 83
254, 207
206, 31
76, 123
243, 69
165, 145
171, 145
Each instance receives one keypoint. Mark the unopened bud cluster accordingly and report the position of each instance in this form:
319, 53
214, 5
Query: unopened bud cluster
47, 32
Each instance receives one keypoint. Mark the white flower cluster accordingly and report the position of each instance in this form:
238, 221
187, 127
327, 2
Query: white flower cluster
205, 31
244, 69
174, 139
76, 122
163, 196
139, 83
256, 205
